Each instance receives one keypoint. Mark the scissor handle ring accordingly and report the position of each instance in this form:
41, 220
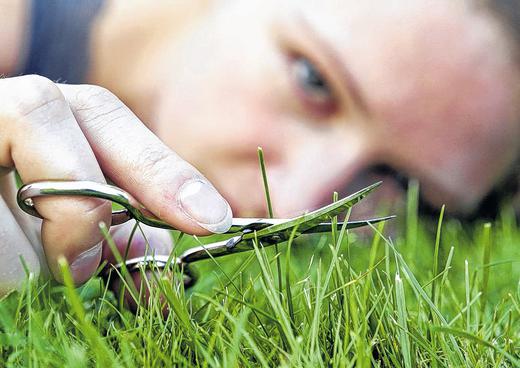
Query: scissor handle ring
132, 208
158, 262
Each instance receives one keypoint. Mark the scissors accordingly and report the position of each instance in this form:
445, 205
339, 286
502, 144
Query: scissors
246, 231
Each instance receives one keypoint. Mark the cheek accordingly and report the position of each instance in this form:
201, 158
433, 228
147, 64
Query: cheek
226, 109
456, 166
451, 133
208, 121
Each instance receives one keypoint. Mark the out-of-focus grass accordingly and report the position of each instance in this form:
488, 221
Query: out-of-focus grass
421, 299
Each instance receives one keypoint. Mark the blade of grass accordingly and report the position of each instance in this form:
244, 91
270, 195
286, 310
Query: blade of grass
103, 355
271, 214
420, 291
468, 296
436, 255
486, 258
412, 207
128, 281
288, 291
469, 336
402, 317
274, 301
232, 283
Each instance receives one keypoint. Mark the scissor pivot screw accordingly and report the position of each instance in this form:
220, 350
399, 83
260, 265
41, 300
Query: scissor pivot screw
232, 242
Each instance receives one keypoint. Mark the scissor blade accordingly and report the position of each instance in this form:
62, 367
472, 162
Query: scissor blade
243, 223
238, 245
314, 218
325, 227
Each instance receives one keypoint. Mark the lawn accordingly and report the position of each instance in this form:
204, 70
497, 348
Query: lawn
426, 296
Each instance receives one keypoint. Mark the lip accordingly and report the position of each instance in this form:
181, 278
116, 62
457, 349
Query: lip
319, 195
323, 195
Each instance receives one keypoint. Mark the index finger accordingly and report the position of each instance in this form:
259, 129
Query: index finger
139, 162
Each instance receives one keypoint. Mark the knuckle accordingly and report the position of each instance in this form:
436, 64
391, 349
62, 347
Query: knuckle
41, 84
155, 160
90, 94
35, 92
32, 96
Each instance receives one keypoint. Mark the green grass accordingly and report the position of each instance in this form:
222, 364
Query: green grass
426, 298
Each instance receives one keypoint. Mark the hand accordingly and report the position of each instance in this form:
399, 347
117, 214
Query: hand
50, 131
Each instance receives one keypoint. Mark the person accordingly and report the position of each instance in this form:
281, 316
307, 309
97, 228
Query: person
427, 89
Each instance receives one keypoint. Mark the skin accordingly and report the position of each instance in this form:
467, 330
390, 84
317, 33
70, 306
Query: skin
50, 131
408, 84
435, 105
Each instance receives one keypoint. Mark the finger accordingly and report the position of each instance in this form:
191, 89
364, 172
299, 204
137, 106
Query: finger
164, 183
145, 240
15, 248
30, 225
40, 137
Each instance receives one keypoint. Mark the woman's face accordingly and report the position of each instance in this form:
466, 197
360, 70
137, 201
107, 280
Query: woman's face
330, 88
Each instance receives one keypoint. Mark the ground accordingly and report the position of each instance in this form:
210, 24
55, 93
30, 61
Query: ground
424, 296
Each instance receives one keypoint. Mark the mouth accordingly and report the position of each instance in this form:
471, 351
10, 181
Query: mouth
289, 201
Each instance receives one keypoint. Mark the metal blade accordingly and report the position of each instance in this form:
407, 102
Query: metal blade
238, 245
325, 227
245, 224
312, 219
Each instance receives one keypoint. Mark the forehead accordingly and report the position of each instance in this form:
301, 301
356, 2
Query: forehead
389, 41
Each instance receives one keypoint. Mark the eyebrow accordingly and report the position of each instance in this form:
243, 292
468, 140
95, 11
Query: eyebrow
332, 56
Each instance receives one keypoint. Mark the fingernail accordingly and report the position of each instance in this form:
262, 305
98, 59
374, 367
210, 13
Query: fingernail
204, 205
86, 263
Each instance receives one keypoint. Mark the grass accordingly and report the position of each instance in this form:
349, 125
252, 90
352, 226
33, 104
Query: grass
421, 299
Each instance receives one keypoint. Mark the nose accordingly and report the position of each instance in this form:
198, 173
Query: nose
309, 180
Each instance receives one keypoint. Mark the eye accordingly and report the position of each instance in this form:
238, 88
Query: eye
312, 87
